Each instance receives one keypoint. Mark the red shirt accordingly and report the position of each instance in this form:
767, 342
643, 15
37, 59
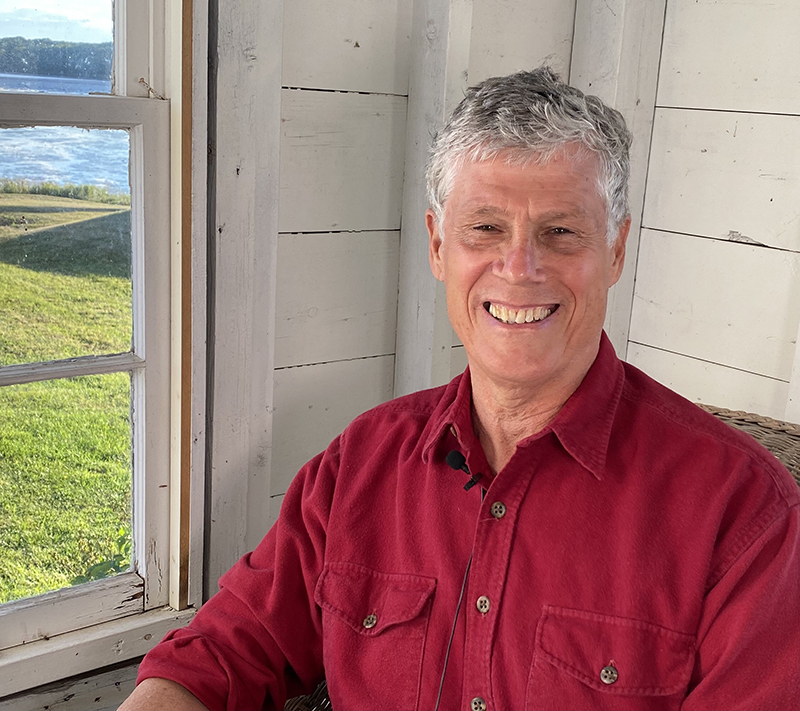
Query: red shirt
636, 539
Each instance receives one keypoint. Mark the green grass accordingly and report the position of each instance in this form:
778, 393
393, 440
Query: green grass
65, 467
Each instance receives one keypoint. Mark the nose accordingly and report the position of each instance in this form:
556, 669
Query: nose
520, 262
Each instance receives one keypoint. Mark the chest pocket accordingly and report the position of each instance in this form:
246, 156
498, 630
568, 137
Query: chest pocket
593, 661
374, 630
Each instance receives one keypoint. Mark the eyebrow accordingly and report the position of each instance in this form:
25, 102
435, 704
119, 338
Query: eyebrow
553, 215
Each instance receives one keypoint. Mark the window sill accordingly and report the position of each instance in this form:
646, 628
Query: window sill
65, 655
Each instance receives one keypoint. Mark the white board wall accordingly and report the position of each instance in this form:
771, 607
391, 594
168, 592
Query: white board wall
717, 299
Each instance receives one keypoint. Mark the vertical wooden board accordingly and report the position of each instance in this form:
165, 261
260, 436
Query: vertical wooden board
275, 503
356, 45
738, 55
341, 165
729, 175
314, 403
727, 303
458, 360
337, 296
712, 384
512, 35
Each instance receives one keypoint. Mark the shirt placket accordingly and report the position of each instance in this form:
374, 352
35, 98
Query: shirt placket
485, 591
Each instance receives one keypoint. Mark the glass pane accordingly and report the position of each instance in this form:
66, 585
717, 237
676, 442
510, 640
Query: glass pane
65, 243
56, 46
65, 483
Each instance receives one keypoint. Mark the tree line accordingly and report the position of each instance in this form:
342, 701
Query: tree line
55, 58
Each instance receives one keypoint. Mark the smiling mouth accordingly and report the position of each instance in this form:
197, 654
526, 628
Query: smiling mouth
515, 316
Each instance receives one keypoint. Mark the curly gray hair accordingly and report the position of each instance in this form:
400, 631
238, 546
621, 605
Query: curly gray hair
534, 114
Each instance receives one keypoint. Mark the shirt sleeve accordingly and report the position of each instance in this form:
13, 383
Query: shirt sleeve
259, 640
748, 654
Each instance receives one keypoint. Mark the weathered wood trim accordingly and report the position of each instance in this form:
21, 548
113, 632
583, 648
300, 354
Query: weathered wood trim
440, 43
248, 91
69, 368
616, 50
44, 661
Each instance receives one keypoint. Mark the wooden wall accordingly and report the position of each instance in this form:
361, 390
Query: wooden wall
716, 304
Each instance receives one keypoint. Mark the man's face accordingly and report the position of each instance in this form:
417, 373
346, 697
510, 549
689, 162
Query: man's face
528, 244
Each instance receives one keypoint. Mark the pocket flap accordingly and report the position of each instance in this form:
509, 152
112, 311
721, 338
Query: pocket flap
648, 659
369, 601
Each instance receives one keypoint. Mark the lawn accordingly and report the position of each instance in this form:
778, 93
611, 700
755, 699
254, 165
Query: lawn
65, 479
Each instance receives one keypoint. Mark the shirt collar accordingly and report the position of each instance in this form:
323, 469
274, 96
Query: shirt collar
583, 425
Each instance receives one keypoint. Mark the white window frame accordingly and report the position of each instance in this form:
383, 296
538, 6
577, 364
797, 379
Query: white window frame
71, 631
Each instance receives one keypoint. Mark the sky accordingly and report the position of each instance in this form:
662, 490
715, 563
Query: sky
71, 20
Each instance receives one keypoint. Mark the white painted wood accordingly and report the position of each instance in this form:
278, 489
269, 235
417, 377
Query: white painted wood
275, 503
74, 653
710, 383
724, 302
509, 36
247, 158
337, 296
69, 368
726, 175
357, 45
101, 692
199, 288
64, 610
738, 55
132, 47
440, 59
314, 403
792, 413
615, 55
458, 360
341, 161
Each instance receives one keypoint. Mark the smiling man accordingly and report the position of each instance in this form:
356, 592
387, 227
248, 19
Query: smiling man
551, 530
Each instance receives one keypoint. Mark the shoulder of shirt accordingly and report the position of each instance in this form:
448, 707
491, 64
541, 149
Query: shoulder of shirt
642, 391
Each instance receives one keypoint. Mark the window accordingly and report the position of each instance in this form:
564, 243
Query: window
85, 379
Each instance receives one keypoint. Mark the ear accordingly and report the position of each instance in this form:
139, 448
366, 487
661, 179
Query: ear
434, 245
618, 250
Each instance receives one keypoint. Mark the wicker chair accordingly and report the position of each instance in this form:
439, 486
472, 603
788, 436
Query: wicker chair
780, 438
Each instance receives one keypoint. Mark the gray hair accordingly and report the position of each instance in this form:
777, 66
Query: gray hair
535, 115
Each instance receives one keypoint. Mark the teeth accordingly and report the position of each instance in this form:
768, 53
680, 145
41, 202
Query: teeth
501, 313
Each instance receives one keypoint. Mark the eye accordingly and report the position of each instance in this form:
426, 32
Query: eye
560, 231
484, 228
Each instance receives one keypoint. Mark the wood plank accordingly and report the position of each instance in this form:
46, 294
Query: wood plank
792, 413
54, 613
337, 296
726, 175
725, 302
314, 403
512, 35
615, 55
739, 55
247, 135
357, 45
440, 60
104, 691
74, 653
69, 368
458, 360
341, 164
712, 384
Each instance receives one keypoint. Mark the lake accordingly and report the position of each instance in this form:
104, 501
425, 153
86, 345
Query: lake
63, 154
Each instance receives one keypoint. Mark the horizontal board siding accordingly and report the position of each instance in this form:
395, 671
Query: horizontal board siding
355, 45
739, 55
727, 175
710, 383
511, 36
732, 304
314, 403
336, 296
341, 165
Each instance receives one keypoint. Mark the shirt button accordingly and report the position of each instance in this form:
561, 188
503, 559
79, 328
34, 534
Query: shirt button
498, 509
483, 604
478, 704
609, 674
370, 621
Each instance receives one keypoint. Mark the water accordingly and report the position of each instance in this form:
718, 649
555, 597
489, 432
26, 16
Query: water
63, 154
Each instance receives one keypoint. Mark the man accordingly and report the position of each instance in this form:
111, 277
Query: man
552, 529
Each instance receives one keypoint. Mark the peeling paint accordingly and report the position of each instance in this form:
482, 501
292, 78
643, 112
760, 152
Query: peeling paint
735, 236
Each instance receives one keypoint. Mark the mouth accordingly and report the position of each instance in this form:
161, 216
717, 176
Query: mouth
518, 316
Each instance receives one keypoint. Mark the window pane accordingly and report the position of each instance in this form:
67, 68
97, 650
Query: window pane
65, 483
65, 243
56, 46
